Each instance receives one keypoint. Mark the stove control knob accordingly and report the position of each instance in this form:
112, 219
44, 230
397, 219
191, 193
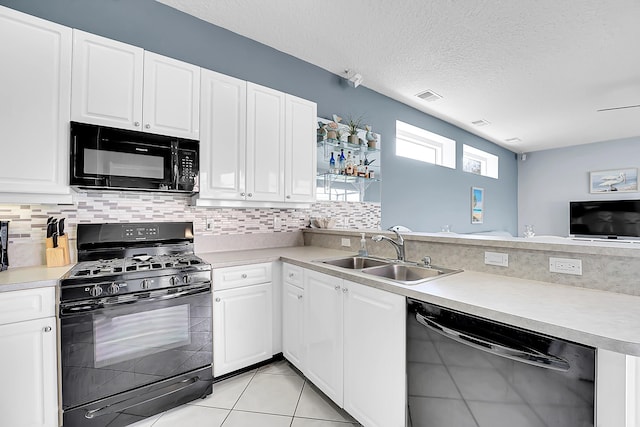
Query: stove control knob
144, 284
96, 291
173, 280
114, 288
186, 278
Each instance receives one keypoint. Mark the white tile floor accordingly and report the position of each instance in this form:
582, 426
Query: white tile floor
274, 395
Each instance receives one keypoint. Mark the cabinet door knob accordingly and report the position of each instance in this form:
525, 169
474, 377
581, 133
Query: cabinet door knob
242, 194
345, 290
299, 296
250, 195
244, 275
290, 275
136, 124
47, 328
337, 287
288, 197
147, 126
218, 299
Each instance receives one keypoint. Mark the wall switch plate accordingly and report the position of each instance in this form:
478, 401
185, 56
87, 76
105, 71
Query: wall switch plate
209, 225
565, 266
496, 258
346, 242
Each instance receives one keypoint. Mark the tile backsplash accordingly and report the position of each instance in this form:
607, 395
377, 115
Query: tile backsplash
28, 222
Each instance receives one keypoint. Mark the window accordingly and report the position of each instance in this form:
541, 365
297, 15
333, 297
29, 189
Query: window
419, 144
479, 162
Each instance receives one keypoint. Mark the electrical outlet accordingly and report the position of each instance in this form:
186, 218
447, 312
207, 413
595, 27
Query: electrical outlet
496, 258
346, 242
209, 225
565, 266
277, 223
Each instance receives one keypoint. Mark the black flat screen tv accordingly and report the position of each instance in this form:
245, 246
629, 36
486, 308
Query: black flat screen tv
610, 219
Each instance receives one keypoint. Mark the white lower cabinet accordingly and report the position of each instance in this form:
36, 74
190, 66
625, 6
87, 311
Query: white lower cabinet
374, 356
292, 315
617, 389
242, 317
28, 366
352, 344
323, 333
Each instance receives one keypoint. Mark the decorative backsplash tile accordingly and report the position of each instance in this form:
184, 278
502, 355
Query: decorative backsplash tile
28, 222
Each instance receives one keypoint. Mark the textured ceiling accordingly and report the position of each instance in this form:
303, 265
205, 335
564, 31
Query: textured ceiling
537, 70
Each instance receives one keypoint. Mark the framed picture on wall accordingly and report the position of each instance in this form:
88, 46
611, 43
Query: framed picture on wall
477, 205
613, 180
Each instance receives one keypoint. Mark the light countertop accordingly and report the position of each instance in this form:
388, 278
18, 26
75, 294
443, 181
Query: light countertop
596, 318
15, 279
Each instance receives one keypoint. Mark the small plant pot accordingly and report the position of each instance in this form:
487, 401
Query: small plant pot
371, 143
353, 139
331, 134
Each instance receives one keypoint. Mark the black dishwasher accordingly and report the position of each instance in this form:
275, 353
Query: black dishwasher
466, 371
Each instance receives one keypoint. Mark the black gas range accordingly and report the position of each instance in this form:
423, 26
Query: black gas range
136, 324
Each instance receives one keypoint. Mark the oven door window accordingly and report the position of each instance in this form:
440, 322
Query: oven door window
132, 336
118, 348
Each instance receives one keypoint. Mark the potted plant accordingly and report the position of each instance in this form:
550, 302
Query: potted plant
353, 126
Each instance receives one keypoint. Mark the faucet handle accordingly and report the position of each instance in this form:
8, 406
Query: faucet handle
426, 261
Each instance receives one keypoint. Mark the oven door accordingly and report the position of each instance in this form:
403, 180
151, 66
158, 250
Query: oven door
106, 157
127, 348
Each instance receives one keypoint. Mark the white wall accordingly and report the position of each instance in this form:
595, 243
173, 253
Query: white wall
549, 179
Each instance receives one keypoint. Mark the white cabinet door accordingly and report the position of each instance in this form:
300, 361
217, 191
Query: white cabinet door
171, 101
35, 96
223, 136
300, 150
292, 324
323, 333
374, 356
265, 144
28, 368
242, 327
107, 82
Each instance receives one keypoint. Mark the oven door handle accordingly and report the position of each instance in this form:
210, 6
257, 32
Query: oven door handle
142, 399
82, 307
531, 357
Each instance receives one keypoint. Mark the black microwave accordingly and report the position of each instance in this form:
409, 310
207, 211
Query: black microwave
109, 158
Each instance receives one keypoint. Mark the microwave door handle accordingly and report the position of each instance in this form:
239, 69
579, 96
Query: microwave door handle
532, 357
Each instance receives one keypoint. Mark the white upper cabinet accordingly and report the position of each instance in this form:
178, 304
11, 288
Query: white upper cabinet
265, 143
171, 101
257, 145
122, 86
35, 94
300, 151
107, 82
223, 132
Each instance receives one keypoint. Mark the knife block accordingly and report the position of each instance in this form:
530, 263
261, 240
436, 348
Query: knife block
57, 257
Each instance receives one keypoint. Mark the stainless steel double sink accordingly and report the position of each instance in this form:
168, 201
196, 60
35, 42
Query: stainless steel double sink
403, 272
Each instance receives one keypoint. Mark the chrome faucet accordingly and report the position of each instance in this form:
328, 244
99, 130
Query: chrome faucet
398, 244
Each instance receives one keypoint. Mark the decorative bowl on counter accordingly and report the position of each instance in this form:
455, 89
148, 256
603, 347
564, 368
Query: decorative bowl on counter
323, 222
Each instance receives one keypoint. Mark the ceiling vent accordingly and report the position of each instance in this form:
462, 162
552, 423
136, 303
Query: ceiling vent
429, 95
513, 140
480, 122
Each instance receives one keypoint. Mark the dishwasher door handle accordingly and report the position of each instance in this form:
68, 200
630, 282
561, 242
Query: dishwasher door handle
531, 357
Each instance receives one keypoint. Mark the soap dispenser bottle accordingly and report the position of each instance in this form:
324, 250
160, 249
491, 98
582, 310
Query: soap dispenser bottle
363, 246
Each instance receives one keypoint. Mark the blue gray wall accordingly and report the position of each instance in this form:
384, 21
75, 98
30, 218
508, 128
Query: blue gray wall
420, 196
549, 179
